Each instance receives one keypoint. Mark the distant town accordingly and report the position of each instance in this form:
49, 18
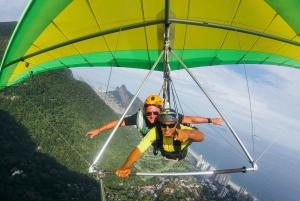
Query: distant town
220, 182
213, 187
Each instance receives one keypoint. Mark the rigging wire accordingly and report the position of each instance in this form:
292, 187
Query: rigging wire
212, 127
250, 105
54, 128
176, 99
162, 88
246, 75
267, 148
115, 51
110, 73
116, 47
249, 95
175, 96
243, 156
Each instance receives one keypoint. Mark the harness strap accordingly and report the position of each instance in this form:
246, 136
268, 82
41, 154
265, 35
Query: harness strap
141, 123
178, 154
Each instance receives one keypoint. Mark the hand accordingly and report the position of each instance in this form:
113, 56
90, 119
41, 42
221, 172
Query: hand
123, 172
92, 133
217, 121
181, 136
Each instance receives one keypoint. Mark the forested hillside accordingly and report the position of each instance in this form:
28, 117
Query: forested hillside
43, 125
6, 30
45, 155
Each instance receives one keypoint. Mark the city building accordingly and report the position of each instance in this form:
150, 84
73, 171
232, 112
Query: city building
223, 192
204, 166
222, 179
241, 194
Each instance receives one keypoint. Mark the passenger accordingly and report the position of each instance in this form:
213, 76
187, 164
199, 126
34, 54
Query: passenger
171, 138
146, 118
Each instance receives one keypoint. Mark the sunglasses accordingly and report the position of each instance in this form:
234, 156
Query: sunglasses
154, 113
168, 125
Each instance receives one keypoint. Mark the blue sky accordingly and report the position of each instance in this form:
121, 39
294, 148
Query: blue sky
11, 10
274, 91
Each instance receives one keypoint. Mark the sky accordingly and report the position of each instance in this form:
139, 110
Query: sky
11, 10
273, 91
273, 95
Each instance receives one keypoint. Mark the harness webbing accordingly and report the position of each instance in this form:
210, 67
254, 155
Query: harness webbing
141, 123
179, 153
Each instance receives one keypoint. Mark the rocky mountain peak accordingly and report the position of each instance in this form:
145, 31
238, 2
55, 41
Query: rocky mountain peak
121, 88
119, 99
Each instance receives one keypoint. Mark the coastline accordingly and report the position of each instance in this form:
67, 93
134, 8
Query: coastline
200, 161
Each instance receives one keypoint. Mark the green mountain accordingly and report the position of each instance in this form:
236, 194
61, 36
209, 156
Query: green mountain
43, 125
6, 30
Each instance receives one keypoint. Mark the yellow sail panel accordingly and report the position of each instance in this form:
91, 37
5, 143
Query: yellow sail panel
213, 11
98, 44
266, 45
180, 34
249, 15
81, 23
123, 40
156, 12
281, 29
236, 41
288, 50
204, 38
116, 14
51, 36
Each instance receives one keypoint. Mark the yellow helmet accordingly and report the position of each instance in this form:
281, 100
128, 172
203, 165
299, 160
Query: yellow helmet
153, 100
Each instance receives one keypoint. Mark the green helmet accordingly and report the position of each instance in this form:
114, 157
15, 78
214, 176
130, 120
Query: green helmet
168, 115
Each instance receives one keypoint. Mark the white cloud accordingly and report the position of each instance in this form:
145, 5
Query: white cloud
12, 10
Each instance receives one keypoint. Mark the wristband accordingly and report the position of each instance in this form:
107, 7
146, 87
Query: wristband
209, 120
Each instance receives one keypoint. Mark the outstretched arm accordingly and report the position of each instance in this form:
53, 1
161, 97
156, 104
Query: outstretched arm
199, 120
124, 171
105, 127
194, 135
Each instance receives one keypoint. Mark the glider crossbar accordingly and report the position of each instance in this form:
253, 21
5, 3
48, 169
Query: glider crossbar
225, 171
216, 107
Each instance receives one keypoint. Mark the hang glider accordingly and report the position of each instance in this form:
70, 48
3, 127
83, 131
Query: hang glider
75, 33
56, 34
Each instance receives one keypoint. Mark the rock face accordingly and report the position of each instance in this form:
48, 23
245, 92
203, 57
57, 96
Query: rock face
119, 99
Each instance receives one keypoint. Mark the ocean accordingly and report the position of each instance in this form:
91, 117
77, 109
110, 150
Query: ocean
277, 177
